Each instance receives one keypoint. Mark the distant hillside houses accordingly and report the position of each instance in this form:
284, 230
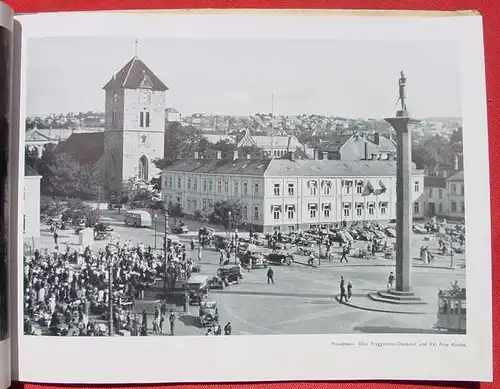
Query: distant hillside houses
357, 147
276, 146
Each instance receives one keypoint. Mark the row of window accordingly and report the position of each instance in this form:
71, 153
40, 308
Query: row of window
361, 187
144, 119
208, 186
453, 207
453, 191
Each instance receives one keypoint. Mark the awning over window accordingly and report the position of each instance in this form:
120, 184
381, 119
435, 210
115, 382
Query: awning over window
360, 205
347, 205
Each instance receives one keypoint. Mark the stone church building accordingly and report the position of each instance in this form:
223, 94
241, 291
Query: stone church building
134, 124
134, 129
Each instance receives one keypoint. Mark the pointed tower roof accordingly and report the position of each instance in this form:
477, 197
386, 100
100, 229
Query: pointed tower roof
134, 75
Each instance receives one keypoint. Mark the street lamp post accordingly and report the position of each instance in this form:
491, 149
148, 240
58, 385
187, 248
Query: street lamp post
110, 296
154, 221
165, 237
451, 250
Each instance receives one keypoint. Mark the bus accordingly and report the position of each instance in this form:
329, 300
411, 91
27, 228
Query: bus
138, 218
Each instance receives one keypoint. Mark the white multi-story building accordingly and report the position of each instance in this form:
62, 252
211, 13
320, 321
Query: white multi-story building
291, 194
444, 197
456, 200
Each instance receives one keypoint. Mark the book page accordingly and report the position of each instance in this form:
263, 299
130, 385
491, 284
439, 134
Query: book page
253, 196
6, 129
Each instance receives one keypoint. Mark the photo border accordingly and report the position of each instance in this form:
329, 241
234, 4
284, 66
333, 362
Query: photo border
285, 357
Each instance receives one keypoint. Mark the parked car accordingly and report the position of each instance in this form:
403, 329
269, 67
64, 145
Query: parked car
280, 258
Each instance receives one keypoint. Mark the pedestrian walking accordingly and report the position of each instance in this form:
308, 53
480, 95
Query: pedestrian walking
171, 319
56, 237
270, 275
192, 244
349, 290
343, 295
390, 281
344, 255
227, 328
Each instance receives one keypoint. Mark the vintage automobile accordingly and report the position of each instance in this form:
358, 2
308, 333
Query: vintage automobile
256, 256
208, 314
226, 275
102, 231
221, 242
197, 286
280, 258
179, 229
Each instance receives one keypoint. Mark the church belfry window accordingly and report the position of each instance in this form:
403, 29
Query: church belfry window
144, 119
143, 168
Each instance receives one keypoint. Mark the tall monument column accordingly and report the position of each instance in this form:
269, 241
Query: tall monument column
403, 201
402, 293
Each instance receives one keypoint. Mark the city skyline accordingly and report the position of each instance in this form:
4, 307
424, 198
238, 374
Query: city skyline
230, 77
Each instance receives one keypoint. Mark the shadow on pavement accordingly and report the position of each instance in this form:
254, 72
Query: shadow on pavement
394, 330
190, 320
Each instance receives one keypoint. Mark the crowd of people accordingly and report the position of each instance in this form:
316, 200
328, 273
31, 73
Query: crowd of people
68, 292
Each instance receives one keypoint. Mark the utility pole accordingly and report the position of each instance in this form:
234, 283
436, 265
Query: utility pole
110, 296
154, 221
451, 250
165, 237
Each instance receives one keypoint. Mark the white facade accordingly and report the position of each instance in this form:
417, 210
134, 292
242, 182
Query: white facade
436, 201
31, 209
445, 199
456, 200
287, 202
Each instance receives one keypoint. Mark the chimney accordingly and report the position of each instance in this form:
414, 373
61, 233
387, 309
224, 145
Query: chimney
445, 174
219, 155
196, 155
455, 163
249, 156
376, 138
235, 154
325, 155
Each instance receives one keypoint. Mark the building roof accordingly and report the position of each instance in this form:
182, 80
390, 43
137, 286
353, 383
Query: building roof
457, 176
35, 135
331, 168
134, 75
334, 145
251, 167
83, 147
280, 141
434, 182
30, 172
286, 167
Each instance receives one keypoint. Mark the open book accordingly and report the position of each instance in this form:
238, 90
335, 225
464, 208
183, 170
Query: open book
227, 196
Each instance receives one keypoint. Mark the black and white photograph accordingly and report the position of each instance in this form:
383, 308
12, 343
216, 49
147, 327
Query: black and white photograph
179, 187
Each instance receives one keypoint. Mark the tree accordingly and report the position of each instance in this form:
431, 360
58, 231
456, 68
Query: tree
227, 213
201, 216
65, 177
156, 183
226, 148
175, 210
181, 142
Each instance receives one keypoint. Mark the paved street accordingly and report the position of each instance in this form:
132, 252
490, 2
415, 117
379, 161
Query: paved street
302, 300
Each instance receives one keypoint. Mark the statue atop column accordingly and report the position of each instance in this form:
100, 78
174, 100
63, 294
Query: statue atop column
402, 95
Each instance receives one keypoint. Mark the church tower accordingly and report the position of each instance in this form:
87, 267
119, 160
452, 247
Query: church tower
134, 125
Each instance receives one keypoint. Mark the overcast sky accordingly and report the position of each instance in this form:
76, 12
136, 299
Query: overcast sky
338, 78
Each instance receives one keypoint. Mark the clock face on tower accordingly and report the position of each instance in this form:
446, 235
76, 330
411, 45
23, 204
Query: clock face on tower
145, 97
